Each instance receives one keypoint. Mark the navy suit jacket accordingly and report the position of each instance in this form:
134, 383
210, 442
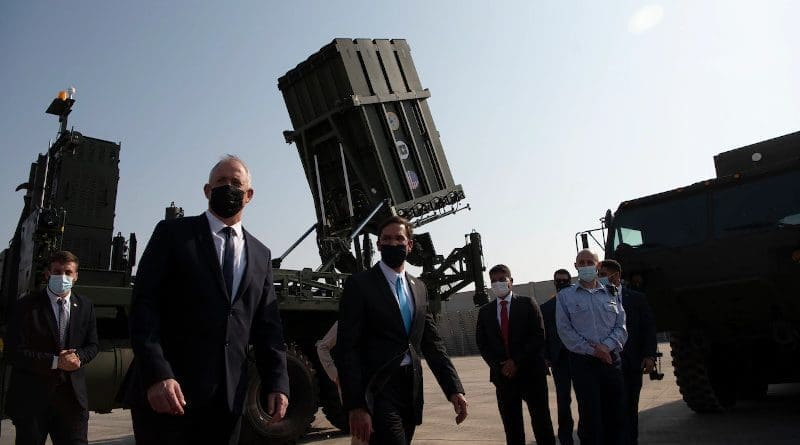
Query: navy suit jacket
372, 341
554, 347
185, 326
641, 328
526, 334
33, 341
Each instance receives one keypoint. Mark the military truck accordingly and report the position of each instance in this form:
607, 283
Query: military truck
369, 149
719, 261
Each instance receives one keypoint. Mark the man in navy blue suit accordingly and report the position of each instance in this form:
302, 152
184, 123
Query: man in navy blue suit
639, 353
203, 294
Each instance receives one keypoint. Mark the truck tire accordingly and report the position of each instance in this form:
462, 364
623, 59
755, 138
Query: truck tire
703, 390
300, 413
332, 404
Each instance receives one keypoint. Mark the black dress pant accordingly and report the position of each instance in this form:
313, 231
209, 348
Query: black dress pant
393, 410
600, 391
532, 389
63, 419
212, 423
632, 373
563, 381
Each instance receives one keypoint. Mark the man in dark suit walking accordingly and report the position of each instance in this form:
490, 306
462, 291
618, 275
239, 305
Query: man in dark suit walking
52, 334
639, 353
384, 326
203, 292
510, 336
556, 357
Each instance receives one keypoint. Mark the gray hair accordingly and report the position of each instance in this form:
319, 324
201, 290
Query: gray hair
587, 251
231, 158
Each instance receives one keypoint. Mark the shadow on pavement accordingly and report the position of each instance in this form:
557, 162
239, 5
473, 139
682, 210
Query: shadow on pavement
773, 420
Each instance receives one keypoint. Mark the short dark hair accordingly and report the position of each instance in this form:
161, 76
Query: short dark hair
611, 265
396, 220
562, 272
62, 257
500, 268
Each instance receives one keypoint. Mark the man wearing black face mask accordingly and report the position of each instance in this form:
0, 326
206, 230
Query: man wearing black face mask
203, 290
384, 325
556, 356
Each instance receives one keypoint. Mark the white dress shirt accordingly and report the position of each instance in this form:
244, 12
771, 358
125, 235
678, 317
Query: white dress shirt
56, 309
391, 277
500, 306
239, 258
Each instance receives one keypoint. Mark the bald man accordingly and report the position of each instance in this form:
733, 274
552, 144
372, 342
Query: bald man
591, 323
204, 292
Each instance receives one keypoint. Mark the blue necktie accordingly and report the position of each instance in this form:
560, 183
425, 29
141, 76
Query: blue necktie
405, 306
227, 260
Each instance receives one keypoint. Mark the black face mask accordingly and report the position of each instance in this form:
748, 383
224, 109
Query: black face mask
393, 256
226, 200
561, 284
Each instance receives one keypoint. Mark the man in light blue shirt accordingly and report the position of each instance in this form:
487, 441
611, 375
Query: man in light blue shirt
591, 324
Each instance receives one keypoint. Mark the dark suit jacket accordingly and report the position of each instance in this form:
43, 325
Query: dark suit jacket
525, 343
641, 328
32, 343
372, 341
184, 326
554, 347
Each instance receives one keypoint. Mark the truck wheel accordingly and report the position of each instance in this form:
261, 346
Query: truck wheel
303, 404
332, 404
704, 388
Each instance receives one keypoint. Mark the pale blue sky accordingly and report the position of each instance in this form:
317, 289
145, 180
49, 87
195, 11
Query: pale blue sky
549, 112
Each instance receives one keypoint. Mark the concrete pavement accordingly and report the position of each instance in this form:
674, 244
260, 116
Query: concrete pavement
664, 418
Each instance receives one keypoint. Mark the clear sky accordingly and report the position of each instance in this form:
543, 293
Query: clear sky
549, 112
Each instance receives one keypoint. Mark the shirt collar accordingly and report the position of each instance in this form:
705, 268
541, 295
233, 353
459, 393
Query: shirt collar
54, 297
216, 224
390, 273
507, 297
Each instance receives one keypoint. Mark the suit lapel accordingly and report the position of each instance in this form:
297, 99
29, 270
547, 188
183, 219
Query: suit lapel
247, 276
386, 293
419, 300
75, 315
515, 318
47, 309
208, 254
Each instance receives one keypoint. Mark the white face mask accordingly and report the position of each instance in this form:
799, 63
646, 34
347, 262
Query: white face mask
59, 284
500, 289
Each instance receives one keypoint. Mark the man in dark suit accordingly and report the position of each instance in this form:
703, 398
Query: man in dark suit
384, 326
52, 334
639, 353
203, 291
556, 357
510, 336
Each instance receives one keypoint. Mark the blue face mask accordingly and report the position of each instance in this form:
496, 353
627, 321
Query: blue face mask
604, 281
60, 284
587, 273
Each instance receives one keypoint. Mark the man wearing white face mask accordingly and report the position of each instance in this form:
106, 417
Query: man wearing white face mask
591, 323
51, 337
510, 337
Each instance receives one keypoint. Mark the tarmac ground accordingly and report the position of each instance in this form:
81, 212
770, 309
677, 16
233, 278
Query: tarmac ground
663, 417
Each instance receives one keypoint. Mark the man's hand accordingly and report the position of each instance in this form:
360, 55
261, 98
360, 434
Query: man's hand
360, 424
165, 397
277, 402
460, 406
648, 364
602, 352
509, 369
68, 360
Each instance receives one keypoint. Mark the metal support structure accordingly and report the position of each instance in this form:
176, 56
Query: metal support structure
326, 266
276, 262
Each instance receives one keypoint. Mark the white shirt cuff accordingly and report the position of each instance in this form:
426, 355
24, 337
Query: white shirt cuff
55, 362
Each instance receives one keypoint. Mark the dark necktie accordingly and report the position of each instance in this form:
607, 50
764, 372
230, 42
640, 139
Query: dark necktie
62, 322
227, 260
504, 322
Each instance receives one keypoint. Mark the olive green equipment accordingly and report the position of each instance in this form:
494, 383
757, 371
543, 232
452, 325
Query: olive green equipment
369, 148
